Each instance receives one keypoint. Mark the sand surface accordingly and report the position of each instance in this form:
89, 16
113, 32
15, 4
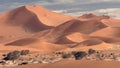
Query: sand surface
75, 64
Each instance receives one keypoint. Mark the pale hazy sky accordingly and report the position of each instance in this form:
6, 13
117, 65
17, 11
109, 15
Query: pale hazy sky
71, 6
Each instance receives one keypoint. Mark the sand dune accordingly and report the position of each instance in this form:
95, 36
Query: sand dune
45, 16
24, 41
48, 17
109, 40
39, 46
111, 22
91, 41
92, 16
27, 20
85, 27
77, 37
110, 32
30, 22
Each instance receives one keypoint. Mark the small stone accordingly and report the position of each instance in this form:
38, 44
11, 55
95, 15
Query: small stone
2, 62
35, 62
23, 63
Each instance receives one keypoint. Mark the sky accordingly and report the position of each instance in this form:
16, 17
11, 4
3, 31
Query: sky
71, 7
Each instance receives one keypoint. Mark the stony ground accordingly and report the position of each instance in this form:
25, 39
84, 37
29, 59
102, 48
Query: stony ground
51, 58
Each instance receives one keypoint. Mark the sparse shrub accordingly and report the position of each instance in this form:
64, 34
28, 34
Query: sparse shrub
80, 55
66, 55
59, 53
74, 52
91, 51
40, 61
100, 56
2, 62
12, 55
25, 52
113, 56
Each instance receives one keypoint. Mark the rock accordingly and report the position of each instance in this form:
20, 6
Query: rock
45, 62
10, 62
2, 62
23, 63
35, 62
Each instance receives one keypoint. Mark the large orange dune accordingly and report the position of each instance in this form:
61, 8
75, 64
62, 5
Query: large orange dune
27, 20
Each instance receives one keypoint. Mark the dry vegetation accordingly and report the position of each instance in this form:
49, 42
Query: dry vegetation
16, 58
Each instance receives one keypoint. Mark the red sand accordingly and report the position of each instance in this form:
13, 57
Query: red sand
75, 64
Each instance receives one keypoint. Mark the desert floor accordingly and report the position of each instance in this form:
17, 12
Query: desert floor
75, 64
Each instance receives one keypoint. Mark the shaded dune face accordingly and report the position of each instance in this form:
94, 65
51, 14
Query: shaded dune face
69, 26
21, 42
85, 27
33, 25
92, 26
64, 40
29, 22
91, 41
